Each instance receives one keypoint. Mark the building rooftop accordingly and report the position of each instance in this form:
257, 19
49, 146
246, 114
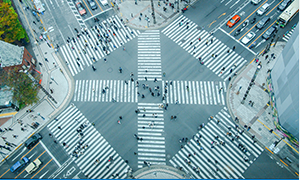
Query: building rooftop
10, 55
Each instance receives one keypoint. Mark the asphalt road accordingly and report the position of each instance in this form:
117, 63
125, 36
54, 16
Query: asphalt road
171, 54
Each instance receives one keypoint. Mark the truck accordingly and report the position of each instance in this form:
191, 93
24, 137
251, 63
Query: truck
33, 166
39, 6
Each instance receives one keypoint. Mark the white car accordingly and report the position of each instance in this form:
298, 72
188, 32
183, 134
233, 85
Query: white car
248, 37
33, 166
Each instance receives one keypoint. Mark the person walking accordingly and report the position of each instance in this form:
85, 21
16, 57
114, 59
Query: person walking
233, 48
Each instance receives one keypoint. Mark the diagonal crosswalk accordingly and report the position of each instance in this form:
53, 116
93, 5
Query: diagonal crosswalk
96, 43
194, 92
149, 58
105, 91
92, 153
213, 52
151, 128
216, 152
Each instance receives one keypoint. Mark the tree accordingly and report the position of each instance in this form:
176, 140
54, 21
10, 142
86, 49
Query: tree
11, 29
24, 89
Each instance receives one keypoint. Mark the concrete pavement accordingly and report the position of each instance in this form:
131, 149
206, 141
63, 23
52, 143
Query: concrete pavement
259, 115
54, 77
139, 16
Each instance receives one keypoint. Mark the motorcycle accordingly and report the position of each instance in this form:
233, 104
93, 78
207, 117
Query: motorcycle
253, 20
237, 32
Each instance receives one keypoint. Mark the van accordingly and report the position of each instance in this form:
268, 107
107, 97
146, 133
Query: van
263, 9
33, 166
19, 164
32, 140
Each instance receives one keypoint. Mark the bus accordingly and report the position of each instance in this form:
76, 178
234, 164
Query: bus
288, 14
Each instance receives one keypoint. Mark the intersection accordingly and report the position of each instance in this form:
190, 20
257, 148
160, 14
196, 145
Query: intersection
182, 117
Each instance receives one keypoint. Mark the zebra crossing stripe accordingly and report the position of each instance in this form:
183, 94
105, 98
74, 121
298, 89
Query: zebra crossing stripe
68, 62
98, 147
198, 48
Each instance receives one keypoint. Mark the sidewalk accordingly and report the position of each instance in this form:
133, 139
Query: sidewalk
62, 91
132, 12
259, 116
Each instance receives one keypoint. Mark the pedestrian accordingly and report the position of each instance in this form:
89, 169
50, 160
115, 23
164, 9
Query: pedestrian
34, 22
233, 48
10, 129
59, 127
145, 78
15, 136
176, 102
266, 57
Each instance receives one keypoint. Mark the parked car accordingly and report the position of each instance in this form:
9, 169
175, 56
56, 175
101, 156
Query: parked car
29, 143
80, 8
19, 164
269, 32
264, 21
33, 166
263, 9
92, 4
233, 21
248, 37
255, 2
284, 4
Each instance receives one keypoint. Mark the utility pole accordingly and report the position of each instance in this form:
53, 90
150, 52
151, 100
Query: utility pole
153, 14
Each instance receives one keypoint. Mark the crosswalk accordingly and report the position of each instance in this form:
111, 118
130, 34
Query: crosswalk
214, 155
180, 92
93, 46
149, 59
91, 152
151, 128
288, 34
212, 51
194, 92
106, 91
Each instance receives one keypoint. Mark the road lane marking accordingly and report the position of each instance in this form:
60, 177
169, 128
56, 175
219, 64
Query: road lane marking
59, 165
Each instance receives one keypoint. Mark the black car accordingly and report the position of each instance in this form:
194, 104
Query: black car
284, 4
269, 32
92, 4
32, 140
263, 22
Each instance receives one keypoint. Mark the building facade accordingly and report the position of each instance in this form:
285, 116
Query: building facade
285, 80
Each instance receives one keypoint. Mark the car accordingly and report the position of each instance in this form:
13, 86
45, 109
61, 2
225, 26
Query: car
255, 2
92, 4
33, 166
269, 32
29, 143
284, 4
19, 164
248, 37
264, 21
104, 2
263, 9
80, 8
233, 21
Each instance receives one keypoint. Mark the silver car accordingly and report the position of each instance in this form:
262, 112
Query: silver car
248, 37
263, 9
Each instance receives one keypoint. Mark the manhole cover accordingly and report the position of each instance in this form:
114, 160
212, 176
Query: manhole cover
199, 28
201, 70
259, 129
183, 41
168, 156
109, 70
